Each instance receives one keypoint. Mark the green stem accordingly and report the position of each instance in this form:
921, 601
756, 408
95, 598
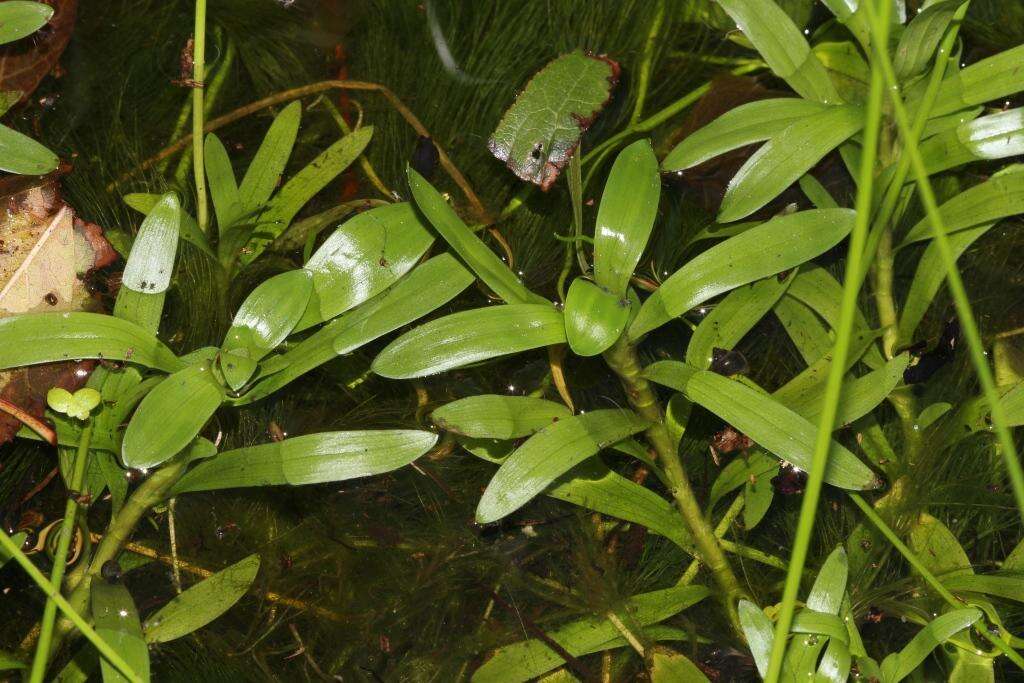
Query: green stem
622, 358
210, 93
645, 66
11, 548
198, 114
953, 279
837, 369
720, 530
67, 532
885, 299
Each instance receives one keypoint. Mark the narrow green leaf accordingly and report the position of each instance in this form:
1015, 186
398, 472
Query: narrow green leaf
772, 425
494, 416
759, 632
922, 37
548, 454
188, 229
830, 585
785, 157
162, 426
522, 661
267, 166
117, 623
363, 257
898, 666
805, 329
310, 459
739, 471
809, 385
994, 78
969, 667
997, 136
732, 318
626, 216
744, 125
481, 260
227, 201
783, 47
859, 395
541, 130
470, 336
594, 317
835, 664
757, 499
672, 667
765, 250
1006, 586
816, 192
819, 623
301, 188
21, 154
19, 540
264, 320
49, 337
202, 603
19, 18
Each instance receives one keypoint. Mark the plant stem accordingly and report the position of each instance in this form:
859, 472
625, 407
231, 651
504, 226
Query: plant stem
837, 369
623, 360
728, 518
885, 300
11, 549
67, 531
198, 114
645, 66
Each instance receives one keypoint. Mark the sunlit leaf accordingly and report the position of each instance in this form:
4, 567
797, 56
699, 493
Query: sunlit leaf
117, 623
19, 18
731, 319
151, 261
989, 79
594, 317
77, 405
220, 176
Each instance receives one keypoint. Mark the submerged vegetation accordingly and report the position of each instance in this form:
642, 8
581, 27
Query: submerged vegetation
672, 340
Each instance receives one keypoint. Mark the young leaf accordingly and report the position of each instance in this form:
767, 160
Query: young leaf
48, 337
522, 661
202, 603
227, 202
731, 319
899, 665
785, 157
757, 499
594, 317
498, 417
77, 405
21, 154
773, 426
785, 50
117, 623
363, 257
310, 459
151, 261
746, 124
481, 260
301, 188
626, 216
759, 632
19, 18
922, 37
470, 336
264, 320
767, 249
170, 416
267, 166
541, 130
548, 454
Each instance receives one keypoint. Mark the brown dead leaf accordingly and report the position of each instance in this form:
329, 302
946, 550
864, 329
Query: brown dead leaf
24, 63
45, 252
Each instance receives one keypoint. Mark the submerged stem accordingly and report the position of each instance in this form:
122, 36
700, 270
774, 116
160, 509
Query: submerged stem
198, 113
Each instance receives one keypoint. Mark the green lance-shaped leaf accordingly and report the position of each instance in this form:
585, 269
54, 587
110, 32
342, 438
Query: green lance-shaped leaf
202, 603
804, 328
899, 665
264, 320
309, 459
830, 585
541, 130
220, 176
757, 465
937, 547
188, 229
19, 540
301, 188
21, 154
759, 632
773, 426
594, 317
922, 37
470, 336
764, 250
1000, 196
672, 667
550, 453
362, 258
470, 248
171, 415
783, 47
522, 661
429, 286
997, 136
787, 156
268, 165
49, 337
859, 395
19, 18
731, 319
626, 216
151, 262
117, 623
739, 127
990, 79
493, 416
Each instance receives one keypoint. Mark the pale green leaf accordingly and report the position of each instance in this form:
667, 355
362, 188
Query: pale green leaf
494, 416
594, 317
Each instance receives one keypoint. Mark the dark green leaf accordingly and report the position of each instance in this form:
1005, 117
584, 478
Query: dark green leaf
469, 336
922, 37
17, 539
498, 417
19, 18
731, 319
227, 201
550, 453
117, 622
937, 547
267, 166
764, 250
594, 317
310, 459
21, 154
541, 130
